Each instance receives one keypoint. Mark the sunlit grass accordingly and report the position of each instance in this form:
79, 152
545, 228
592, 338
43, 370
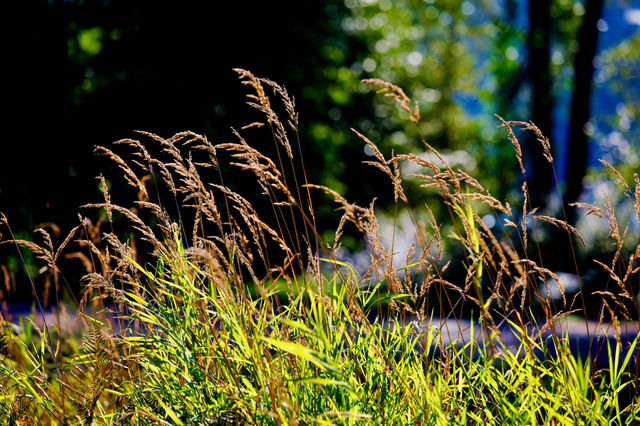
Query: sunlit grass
230, 315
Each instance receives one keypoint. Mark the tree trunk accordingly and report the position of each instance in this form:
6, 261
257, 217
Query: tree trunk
539, 46
581, 104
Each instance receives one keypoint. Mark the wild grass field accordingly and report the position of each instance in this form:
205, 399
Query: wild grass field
201, 305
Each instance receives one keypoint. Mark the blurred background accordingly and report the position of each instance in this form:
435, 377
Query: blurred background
86, 73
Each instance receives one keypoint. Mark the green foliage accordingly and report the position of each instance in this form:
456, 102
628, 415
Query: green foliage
90, 40
211, 355
430, 49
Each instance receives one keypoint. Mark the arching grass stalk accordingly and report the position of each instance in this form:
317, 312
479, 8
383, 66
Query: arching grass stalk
472, 246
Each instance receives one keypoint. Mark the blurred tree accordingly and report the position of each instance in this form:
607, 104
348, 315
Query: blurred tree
581, 104
614, 135
509, 74
436, 52
619, 74
539, 74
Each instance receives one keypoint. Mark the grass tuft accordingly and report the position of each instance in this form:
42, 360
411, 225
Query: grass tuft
199, 306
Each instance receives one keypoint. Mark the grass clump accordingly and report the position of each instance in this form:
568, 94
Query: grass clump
215, 311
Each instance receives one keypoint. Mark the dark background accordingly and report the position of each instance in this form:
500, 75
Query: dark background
161, 67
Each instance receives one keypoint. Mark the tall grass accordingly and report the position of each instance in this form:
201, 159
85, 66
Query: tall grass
215, 311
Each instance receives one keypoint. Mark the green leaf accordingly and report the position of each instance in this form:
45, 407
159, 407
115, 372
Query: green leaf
301, 352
